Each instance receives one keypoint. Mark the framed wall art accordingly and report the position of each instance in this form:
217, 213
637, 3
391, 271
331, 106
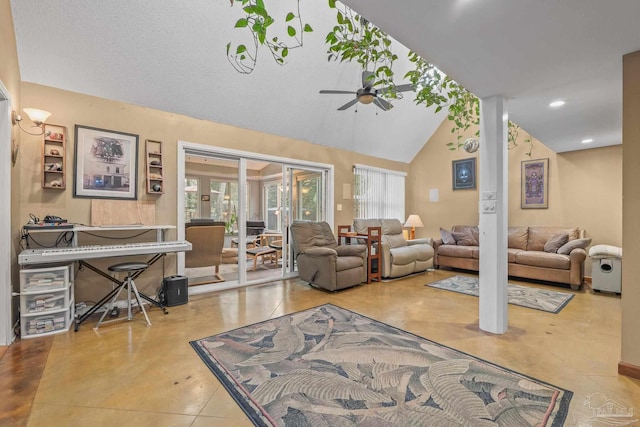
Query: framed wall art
106, 164
464, 174
535, 184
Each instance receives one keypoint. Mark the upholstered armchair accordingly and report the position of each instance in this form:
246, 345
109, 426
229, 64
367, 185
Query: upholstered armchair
399, 257
207, 242
323, 263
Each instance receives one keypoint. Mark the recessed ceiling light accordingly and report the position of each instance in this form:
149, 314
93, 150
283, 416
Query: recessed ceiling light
588, 140
556, 104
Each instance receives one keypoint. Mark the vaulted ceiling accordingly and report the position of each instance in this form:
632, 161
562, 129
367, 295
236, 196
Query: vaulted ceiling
170, 55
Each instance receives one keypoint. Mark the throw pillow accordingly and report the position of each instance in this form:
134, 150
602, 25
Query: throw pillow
447, 238
475, 231
464, 238
574, 244
555, 242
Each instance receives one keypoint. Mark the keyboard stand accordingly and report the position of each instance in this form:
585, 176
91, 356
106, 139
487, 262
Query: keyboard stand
110, 295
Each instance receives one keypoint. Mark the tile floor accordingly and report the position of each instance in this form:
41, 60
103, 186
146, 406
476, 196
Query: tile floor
130, 374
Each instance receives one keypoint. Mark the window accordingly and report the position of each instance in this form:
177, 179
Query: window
378, 193
191, 208
272, 205
309, 197
224, 200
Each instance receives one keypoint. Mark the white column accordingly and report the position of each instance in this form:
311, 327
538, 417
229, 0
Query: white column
493, 214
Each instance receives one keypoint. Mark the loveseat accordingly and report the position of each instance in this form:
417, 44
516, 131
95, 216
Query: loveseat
554, 254
399, 257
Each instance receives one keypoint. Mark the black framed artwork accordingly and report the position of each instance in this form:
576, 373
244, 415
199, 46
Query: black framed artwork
464, 174
106, 164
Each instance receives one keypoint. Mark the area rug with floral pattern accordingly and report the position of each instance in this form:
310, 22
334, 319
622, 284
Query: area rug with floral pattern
328, 366
525, 296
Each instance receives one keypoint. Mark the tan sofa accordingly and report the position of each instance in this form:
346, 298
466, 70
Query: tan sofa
399, 257
526, 254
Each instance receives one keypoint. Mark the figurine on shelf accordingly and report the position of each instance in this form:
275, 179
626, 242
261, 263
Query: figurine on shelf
156, 187
54, 152
53, 167
155, 176
56, 183
155, 163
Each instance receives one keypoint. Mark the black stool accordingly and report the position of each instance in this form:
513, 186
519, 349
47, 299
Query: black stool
130, 268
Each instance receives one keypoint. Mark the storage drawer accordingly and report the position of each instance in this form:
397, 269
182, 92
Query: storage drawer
44, 302
45, 324
44, 279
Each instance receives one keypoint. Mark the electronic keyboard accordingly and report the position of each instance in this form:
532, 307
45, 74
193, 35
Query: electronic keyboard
76, 253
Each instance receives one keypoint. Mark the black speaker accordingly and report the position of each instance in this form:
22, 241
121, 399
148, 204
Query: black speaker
175, 290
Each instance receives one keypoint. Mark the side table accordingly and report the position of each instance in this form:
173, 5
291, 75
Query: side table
373, 239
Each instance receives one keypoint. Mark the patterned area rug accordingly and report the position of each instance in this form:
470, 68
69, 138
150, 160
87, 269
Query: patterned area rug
328, 366
540, 299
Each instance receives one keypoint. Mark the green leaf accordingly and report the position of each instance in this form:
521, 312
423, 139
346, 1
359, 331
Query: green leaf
256, 9
290, 16
291, 31
332, 4
307, 28
242, 22
241, 48
228, 47
285, 52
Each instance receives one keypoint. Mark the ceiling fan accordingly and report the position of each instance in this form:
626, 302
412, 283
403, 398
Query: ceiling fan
367, 94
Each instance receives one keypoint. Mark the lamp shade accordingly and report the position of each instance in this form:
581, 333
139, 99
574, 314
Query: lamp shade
414, 221
37, 116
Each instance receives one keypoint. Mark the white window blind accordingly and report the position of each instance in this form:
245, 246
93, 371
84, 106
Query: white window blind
378, 193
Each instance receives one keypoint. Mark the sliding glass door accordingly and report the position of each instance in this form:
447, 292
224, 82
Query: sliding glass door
305, 199
255, 198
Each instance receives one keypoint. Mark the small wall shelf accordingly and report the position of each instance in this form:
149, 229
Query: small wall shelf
155, 174
53, 157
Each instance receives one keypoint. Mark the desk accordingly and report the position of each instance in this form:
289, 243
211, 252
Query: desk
80, 253
373, 239
77, 229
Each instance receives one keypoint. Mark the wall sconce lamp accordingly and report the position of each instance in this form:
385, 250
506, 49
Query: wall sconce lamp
413, 221
38, 117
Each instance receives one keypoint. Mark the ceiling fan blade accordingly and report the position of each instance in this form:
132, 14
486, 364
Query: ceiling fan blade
338, 91
399, 88
384, 105
404, 88
367, 79
348, 104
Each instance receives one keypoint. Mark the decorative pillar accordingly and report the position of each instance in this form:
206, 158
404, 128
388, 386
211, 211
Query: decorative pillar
493, 214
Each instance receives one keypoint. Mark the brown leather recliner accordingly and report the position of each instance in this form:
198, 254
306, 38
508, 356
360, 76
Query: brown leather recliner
323, 263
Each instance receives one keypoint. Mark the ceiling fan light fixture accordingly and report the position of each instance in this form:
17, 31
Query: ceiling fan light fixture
366, 98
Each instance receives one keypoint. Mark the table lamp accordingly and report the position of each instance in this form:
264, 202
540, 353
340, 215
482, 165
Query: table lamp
413, 221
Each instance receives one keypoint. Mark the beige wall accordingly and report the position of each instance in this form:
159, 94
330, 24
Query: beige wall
585, 189
70, 108
10, 77
631, 209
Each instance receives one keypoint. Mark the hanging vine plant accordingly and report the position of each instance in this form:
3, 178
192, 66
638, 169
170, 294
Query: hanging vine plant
257, 21
354, 38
